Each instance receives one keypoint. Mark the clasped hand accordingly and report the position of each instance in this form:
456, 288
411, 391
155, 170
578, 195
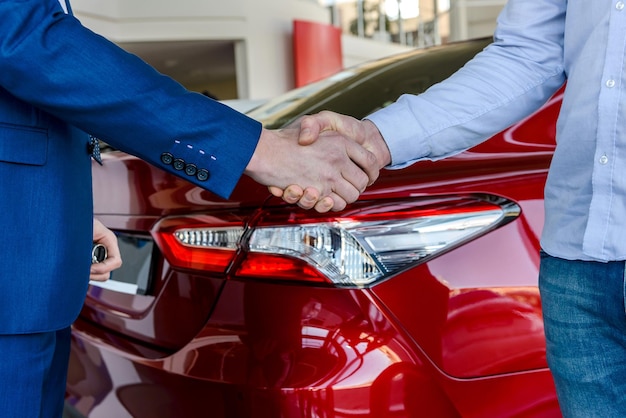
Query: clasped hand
323, 161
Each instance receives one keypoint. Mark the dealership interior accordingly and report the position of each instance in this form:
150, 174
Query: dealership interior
243, 49
420, 298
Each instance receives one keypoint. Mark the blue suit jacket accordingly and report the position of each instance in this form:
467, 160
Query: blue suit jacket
59, 80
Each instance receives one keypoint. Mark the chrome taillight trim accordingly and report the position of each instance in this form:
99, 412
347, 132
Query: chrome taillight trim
359, 247
211, 238
359, 253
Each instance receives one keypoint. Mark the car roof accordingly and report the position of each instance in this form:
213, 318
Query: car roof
363, 89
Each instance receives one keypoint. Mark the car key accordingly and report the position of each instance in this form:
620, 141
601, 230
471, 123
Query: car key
98, 253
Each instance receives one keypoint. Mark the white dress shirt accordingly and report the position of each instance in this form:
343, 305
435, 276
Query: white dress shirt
537, 45
63, 5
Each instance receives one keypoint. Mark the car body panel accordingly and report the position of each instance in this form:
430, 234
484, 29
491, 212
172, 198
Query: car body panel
457, 334
242, 362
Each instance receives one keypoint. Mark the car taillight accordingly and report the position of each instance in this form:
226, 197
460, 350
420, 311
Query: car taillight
370, 241
329, 247
200, 242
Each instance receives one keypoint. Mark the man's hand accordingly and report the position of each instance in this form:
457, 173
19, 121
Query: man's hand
102, 235
363, 132
311, 127
333, 166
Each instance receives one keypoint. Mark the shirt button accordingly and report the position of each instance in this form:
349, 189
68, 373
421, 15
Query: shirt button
610, 83
604, 159
619, 5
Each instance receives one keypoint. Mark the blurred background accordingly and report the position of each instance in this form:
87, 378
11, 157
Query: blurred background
252, 50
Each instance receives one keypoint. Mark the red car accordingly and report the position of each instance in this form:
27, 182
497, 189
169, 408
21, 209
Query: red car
418, 300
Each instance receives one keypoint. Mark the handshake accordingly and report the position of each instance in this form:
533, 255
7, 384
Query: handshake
322, 161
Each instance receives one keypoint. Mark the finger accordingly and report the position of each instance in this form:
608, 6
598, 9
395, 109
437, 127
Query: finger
102, 271
346, 190
327, 203
365, 160
292, 194
338, 202
354, 182
99, 277
276, 191
106, 237
309, 198
99, 274
112, 262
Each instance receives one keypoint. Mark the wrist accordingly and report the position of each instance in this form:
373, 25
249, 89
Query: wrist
255, 166
376, 143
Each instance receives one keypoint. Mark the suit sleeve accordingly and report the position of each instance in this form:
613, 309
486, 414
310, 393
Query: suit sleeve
48, 59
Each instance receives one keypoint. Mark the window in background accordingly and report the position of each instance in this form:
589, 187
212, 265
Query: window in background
417, 23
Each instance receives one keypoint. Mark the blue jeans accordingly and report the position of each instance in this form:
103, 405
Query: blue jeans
584, 315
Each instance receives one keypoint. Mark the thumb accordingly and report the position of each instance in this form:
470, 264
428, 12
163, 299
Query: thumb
310, 128
312, 125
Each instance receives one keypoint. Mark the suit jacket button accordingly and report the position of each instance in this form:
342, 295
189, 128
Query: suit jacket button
167, 158
179, 164
191, 169
202, 174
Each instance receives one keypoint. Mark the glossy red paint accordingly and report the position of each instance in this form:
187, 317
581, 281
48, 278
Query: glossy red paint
458, 335
260, 356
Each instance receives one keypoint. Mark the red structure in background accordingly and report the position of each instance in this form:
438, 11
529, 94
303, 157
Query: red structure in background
316, 51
